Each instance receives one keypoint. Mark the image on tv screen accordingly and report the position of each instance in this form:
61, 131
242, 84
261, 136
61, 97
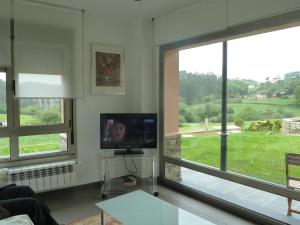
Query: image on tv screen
128, 131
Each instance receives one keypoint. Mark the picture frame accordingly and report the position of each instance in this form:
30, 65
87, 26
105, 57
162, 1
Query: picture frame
108, 70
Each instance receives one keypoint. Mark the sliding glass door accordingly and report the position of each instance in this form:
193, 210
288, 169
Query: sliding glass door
263, 103
230, 114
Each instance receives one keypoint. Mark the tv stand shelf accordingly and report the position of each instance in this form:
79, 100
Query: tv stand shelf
112, 185
129, 152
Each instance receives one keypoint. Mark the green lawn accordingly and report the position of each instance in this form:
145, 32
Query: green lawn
25, 119
32, 144
291, 101
255, 154
3, 118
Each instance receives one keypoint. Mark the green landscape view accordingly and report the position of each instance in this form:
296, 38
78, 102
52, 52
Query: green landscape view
256, 141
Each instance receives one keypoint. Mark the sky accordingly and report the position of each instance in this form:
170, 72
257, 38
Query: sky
2, 76
255, 57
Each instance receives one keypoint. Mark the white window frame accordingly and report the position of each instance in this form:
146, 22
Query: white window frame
13, 130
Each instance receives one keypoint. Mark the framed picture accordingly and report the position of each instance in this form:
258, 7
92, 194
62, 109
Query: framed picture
108, 75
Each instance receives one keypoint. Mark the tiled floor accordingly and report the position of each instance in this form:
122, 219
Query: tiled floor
264, 202
73, 204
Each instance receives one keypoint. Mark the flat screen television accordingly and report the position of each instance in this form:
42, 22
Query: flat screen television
128, 131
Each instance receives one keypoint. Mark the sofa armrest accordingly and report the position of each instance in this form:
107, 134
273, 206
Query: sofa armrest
17, 220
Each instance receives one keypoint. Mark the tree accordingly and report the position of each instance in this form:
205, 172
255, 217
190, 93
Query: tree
297, 94
50, 117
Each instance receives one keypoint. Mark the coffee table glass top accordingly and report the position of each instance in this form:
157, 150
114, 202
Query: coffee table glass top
139, 207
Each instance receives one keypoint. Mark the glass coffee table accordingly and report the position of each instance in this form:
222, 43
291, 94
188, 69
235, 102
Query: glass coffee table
139, 207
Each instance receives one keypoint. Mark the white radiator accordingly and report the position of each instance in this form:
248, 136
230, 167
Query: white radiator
44, 177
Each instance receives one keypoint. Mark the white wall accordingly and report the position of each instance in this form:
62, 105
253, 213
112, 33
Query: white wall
134, 38
100, 30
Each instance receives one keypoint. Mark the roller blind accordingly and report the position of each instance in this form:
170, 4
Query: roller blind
5, 33
48, 51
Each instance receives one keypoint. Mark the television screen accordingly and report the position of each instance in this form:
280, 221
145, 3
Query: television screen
128, 130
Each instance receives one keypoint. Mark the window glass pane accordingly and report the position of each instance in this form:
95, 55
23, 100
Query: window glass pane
262, 202
37, 112
193, 104
39, 144
4, 148
3, 107
264, 103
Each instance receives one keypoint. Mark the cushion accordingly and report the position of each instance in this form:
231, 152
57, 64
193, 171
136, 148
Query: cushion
17, 220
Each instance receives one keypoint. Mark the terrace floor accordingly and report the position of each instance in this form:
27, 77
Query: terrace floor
260, 201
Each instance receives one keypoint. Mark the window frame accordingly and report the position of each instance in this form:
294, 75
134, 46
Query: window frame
278, 22
14, 130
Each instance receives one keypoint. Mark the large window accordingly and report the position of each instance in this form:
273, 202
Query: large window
232, 112
263, 110
32, 127
200, 74
40, 72
263, 101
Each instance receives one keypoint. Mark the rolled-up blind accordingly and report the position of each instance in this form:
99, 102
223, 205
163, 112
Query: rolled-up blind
48, 51
5, 33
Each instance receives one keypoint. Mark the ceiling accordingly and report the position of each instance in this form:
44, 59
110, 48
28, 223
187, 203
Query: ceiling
129, 10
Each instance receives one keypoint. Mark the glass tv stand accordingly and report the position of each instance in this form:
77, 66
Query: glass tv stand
141, 173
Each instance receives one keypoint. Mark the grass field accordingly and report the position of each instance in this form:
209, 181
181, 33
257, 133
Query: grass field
32, 144
266, 105
24, 120
3, 118
255, 154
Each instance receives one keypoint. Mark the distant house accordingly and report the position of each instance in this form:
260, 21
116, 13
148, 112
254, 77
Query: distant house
251, 86
260, 96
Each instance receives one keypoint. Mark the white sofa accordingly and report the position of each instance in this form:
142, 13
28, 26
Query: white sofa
17, 220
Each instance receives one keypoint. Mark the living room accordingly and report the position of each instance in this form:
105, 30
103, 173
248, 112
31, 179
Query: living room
138, 31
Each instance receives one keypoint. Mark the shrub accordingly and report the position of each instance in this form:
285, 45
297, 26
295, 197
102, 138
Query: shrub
182, 108
248, 113
230, 110
277, 125
31, 110
262, 126
2, 109
188, 116
199, 113
239, 123
215, 119
212, 109
209, 98
297, 94
230, 118
181, 120
50, 117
